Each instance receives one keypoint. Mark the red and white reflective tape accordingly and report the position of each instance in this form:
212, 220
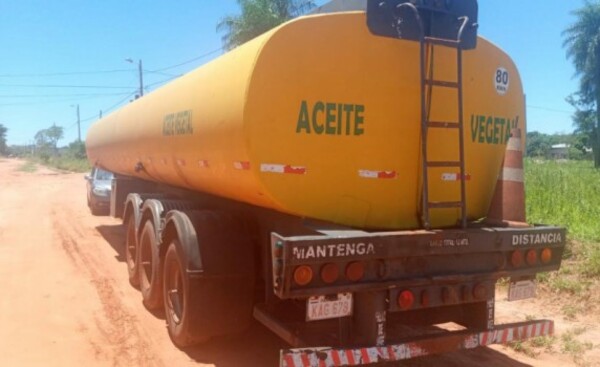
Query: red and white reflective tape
514, 144
454, 177
203, 163
389, 175
242, 165
283, 168
517, 333
512, 174
327, 357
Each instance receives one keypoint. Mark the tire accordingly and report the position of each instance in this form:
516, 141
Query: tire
150, 268
95, 210
177, 300
131, 252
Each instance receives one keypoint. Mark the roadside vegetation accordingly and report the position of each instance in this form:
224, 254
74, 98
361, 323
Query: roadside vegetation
567, 193
45, 151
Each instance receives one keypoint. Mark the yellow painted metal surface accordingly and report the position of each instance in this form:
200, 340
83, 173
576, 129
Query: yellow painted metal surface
319, 118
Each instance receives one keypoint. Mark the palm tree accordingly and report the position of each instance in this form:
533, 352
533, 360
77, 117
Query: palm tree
582, 41
257, 17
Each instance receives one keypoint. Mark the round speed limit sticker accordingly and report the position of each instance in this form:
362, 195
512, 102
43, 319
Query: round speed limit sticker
501, 81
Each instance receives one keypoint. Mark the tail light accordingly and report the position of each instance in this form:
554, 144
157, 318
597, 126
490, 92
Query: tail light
516, 258
355, 271
546, 256
330, 273
531, 257
406, 299
303, 275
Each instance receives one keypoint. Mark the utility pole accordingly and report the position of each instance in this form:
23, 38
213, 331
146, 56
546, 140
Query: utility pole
141, 93
78, 125
141, 79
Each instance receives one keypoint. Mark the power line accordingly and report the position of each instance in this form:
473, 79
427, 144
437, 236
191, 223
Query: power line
190, 60
159, 73
62, 86
105, 110
60, 95
71, 100
162, 81
549, 109
38, 75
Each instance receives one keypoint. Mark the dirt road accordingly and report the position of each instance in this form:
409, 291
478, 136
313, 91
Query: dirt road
66, 300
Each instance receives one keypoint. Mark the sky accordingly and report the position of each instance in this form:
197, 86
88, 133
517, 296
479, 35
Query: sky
60, 54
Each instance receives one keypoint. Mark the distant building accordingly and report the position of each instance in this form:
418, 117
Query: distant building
559, 151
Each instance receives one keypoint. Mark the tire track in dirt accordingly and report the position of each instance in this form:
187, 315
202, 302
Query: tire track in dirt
116, 324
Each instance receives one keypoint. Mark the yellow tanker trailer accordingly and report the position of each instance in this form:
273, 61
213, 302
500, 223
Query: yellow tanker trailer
349, 119
320, 118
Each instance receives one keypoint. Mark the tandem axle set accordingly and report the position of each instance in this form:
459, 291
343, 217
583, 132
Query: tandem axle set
338, 296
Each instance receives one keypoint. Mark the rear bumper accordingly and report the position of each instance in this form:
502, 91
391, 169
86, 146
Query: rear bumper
443, 343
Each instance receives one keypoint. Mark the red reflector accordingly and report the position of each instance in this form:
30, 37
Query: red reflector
516, 258
531, 257
405, 300
355, 271
303, 275
330, 273
546, 255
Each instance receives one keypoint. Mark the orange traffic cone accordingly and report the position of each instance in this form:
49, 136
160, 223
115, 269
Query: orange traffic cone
508, 203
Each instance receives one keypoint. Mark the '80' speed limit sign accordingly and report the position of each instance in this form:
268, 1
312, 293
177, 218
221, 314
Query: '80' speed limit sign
501, 81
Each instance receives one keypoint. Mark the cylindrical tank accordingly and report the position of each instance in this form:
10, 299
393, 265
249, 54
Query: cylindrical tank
319, 118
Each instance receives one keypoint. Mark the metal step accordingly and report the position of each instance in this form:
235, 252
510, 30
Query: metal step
442, 42
444, 204
443, 164
443, 124
442, 83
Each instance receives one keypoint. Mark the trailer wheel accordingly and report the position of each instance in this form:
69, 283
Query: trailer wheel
178, 308
131, 250
150, 268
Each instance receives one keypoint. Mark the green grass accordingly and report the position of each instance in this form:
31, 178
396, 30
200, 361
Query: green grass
28, 167
66, 163
532, 347
574, 347
566, 194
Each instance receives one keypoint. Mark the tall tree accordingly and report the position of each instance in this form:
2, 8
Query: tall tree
582, 41
49, 137
257, 17
3, 147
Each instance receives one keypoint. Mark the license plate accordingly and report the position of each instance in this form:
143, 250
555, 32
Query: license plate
329, 307
521, 289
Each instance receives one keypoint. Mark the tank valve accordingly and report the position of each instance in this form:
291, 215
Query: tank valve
139, 166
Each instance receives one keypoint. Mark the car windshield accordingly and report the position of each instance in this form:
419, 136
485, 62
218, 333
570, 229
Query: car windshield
103, 175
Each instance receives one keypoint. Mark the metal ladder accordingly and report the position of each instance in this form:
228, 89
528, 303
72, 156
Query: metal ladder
428, 82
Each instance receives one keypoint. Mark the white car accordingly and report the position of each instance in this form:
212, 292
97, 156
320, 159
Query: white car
99, 184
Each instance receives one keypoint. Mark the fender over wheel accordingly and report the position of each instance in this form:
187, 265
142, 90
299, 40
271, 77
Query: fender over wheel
208, 286
178, 310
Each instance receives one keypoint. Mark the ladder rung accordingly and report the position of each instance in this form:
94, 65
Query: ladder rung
442, 42
441, 83
443, 164
445, 204
443, 124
